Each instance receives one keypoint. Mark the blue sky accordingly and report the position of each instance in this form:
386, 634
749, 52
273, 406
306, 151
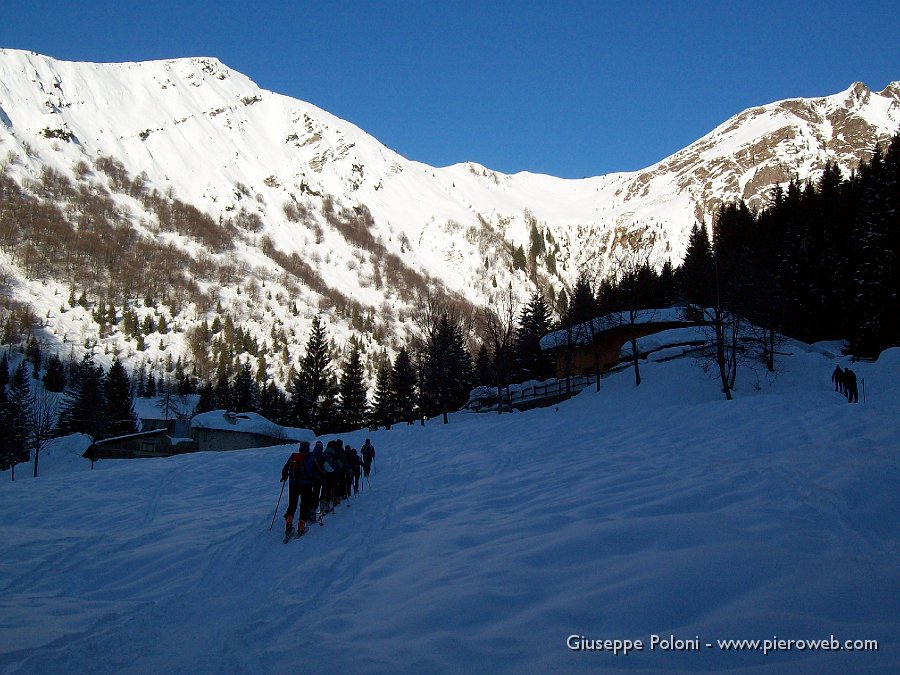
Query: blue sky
568, 88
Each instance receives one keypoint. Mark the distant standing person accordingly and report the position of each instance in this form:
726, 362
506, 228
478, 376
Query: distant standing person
850, 386
838, 378
368, 454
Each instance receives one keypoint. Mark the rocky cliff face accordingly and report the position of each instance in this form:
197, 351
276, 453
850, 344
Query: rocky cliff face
761, 147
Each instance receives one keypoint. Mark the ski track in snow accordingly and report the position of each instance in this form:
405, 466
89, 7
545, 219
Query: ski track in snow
479, 546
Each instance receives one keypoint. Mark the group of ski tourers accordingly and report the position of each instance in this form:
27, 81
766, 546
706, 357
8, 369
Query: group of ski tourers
845, 383
320, 478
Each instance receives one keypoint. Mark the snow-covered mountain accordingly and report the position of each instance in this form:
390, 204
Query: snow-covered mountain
284, 178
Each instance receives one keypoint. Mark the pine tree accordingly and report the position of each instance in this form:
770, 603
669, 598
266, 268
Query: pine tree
33, 354
877, 304
150, 391
245, 392
484, 368
261, 370
582, 303
403, 387
148, 326
55, 374
224, 399
16, 412
519, 261
695, 276
207, 400
353, 392
447, 370
4, 372
273, 404
383, 411
119, 401
313, 388
534, 323
84, 401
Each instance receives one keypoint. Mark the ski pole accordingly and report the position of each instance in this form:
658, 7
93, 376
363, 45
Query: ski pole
277, 504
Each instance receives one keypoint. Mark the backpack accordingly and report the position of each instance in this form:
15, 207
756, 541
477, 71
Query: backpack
302, 467
368, 452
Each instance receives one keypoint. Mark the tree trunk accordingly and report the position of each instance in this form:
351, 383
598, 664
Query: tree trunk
720, 357
635, 360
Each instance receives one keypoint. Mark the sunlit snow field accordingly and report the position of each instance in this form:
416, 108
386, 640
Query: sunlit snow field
482, 545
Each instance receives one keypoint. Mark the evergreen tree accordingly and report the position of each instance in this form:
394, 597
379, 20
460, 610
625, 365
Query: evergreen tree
207, 400
534, 323
519, 261
15, 414
353, 392
245, 392
4, 372
403, 387
695, 276
262, 373
875, 230
536, 245
313, 388
84, 401
383, 411
150, 391
148, 326
447, 371
55, 374
582, 303
224, 395
273, 404
33, 354
484, 369
119, 401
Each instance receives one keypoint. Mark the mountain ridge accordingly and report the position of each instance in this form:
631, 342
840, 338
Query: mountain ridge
297, 183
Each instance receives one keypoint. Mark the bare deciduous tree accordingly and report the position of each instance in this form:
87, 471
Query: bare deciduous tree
626, 266
496, 326
44, 407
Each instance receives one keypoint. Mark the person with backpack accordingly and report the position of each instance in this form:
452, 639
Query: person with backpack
838, 378
368, 454
850, 386
334, 457
320, 479
299, 471
353, 463
343, 468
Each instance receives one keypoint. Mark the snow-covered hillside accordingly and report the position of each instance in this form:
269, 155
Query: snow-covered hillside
482, 545
307, 214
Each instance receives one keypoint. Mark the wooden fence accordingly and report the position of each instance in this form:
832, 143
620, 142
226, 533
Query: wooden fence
534, 396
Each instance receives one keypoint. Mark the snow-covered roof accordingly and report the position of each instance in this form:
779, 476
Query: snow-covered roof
582, 333
666, 338
137, 434
249, 423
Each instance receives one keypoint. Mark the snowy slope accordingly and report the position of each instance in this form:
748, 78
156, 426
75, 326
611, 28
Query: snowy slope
208, 132
483, 544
